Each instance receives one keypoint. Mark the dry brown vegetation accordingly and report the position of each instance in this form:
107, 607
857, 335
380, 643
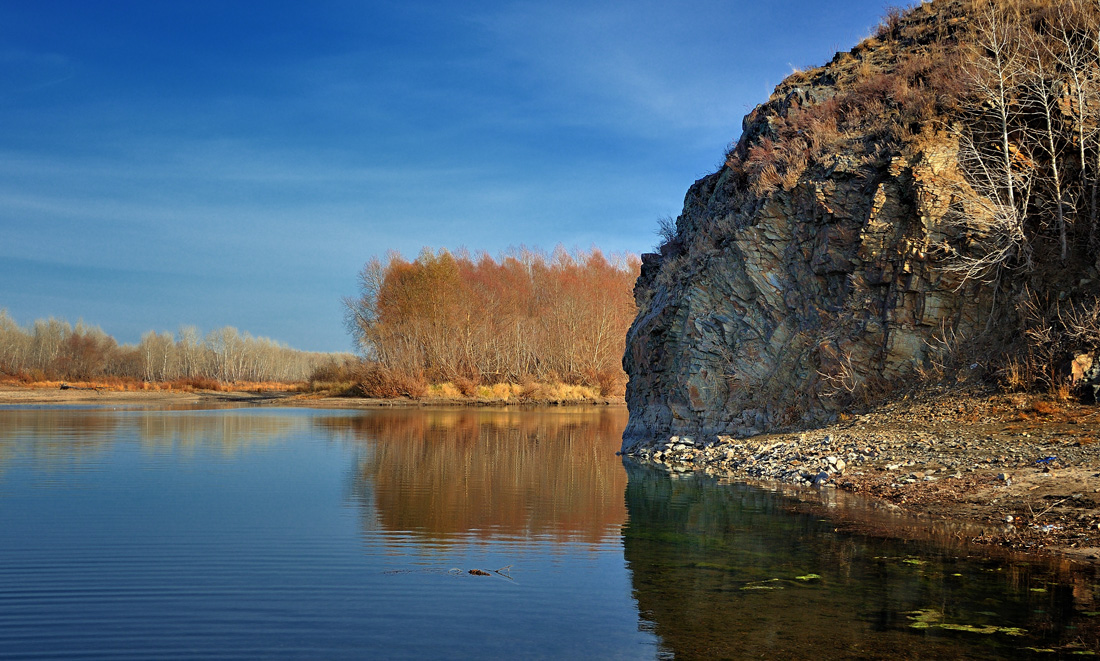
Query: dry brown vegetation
506, 329
51, 351
872, 101
129, 384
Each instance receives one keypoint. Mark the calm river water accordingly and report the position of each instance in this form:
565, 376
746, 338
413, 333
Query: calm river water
290, 533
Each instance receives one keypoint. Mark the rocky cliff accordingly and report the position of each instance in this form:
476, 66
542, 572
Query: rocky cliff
813, 269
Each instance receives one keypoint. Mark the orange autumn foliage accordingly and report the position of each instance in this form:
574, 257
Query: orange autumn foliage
525, 317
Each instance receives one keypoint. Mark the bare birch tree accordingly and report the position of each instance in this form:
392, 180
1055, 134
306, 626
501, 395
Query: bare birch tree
999, 173
1042, 92
995, 74
14, 345
1069, 45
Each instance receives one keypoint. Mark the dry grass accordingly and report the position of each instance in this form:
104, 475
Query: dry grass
884, 95
509, 393
443, 391
1045, 408
466, 386
376, 381
124, 384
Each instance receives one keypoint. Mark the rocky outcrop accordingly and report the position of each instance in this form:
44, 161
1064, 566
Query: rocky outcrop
1084, 372
775, 305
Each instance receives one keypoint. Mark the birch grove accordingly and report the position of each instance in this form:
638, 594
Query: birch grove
1030, 137
54, 349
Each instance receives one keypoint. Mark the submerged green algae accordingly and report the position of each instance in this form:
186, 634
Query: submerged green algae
930, 618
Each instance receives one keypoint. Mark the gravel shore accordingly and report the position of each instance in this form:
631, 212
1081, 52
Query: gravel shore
1024, 470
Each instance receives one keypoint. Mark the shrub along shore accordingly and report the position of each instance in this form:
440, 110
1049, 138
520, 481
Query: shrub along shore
307, 393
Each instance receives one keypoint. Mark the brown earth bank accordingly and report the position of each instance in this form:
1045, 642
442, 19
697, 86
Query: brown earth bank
1013, 471
90, 394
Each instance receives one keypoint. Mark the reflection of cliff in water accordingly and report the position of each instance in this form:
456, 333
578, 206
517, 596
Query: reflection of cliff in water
491, 473
51, 436
730, 571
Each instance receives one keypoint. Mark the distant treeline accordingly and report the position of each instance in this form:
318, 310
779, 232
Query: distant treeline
54, 349
527, 317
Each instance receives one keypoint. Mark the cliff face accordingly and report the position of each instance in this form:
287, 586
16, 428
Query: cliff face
778, 301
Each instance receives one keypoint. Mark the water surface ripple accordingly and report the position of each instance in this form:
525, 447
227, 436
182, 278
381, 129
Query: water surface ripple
309, 534
255, 533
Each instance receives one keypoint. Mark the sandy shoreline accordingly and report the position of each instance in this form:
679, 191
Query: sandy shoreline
1006, 471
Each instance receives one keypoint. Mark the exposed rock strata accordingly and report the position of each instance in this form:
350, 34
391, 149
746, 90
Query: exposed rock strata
818, 292
776, 308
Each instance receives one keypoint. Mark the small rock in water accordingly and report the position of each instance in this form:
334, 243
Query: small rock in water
821, 478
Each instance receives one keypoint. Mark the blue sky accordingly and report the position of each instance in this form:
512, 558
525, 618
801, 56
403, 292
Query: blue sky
235, 163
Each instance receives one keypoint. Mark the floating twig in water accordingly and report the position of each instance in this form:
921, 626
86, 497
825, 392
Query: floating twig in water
502, 572
455, 571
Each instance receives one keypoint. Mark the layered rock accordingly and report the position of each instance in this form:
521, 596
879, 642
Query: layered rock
776, 305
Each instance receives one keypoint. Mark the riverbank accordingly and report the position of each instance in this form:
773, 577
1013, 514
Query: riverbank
1014, 471
89, 395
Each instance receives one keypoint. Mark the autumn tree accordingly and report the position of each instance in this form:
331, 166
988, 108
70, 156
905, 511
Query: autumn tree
527, 316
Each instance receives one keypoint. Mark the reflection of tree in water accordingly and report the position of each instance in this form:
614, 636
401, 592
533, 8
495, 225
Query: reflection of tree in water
50, 437
491, 473
66, 436
723, 571
229, 432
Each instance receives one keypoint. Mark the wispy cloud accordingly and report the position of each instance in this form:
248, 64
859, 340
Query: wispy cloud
23, 71
273, 150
